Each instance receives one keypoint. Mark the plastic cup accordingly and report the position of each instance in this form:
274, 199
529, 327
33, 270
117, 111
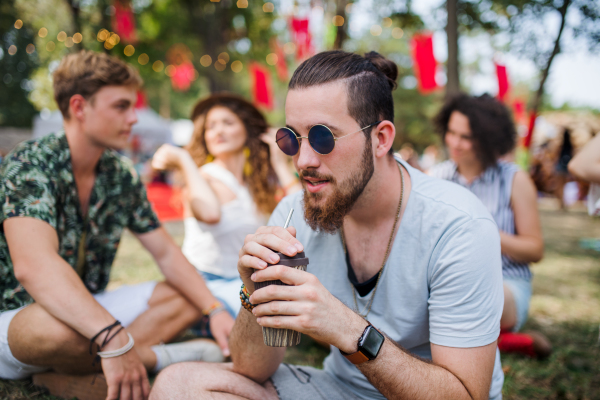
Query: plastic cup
275, 337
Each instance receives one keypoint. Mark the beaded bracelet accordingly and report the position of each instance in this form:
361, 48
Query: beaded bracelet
245, 298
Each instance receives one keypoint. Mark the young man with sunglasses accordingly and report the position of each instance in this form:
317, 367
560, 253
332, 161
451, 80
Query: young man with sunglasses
404, 278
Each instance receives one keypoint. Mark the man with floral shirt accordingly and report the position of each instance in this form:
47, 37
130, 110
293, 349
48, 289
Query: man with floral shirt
65, 200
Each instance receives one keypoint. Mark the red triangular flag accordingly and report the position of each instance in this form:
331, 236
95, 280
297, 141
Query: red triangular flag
262, 88
503, 85
425, 64
281, 66
529, 137
124, 21
301, 37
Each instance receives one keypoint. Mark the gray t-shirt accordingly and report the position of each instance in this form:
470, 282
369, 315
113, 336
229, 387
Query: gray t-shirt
442, 283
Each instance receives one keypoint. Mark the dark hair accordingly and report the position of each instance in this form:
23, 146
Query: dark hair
262, 180
491, 125
370, 81
86, 72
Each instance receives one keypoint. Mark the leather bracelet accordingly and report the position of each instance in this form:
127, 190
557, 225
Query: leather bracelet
118, 352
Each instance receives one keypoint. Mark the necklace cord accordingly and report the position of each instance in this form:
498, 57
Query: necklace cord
387, 252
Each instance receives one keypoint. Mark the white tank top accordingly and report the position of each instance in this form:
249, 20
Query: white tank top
214, 248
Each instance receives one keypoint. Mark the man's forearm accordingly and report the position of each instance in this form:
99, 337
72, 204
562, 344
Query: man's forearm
250, 356
185, 278
63, 295
399, 375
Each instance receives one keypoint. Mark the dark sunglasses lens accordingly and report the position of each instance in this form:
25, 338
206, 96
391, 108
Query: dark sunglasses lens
321, 139
287, 141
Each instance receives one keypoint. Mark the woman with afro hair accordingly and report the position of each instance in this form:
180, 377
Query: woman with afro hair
478, 132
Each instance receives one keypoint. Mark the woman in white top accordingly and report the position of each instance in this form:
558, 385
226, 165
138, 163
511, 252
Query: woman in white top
232, 171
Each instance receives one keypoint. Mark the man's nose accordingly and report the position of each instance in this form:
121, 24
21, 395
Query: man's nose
307, 157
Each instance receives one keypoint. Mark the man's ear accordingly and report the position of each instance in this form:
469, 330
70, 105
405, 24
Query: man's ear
76, 107
384, 134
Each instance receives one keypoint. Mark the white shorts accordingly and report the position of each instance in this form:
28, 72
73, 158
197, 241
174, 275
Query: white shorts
125, 304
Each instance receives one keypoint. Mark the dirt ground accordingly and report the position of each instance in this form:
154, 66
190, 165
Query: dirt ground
565, 306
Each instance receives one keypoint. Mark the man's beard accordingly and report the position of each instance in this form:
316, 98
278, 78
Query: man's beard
329, 217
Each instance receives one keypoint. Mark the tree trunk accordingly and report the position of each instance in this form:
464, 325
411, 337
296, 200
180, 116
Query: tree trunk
75, 13
208, 26
537, 100
341, 34
453, 81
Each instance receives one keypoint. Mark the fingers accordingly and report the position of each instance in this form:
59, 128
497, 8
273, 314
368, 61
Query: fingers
145, 386
136, 390
222, 341
125, 391
277, 308
247, 261
277, 292
287, 275
113, 391
274, 239
294, 322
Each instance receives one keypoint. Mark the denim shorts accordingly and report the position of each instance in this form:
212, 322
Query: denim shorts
521, 291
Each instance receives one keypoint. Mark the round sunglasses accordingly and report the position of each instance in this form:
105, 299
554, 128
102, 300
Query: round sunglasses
320, 138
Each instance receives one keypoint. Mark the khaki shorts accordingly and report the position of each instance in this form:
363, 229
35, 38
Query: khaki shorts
125, 304
307, 383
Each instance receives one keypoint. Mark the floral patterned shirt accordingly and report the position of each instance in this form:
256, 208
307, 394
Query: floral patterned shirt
36, 180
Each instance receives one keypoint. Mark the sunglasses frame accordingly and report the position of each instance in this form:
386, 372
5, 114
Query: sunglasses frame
335, 139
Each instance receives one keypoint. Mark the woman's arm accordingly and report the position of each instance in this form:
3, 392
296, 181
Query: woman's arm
526, 245
586, 164
203, 201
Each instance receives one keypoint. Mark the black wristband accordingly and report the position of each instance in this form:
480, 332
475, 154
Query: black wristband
107, 339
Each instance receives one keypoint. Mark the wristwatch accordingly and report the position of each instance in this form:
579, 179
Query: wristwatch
369, 344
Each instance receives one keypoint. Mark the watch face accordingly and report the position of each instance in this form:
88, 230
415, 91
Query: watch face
371, 343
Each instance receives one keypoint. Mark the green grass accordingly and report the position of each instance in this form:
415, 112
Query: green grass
565, 307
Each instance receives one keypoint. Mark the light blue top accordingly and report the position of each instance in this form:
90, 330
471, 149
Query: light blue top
442, 283
494, 189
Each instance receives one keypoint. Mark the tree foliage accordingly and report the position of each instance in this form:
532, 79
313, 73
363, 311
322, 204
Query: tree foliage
15, 69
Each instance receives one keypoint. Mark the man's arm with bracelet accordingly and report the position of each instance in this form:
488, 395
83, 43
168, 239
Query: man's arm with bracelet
57, 288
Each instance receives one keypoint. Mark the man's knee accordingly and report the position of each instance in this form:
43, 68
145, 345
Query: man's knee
34, 332
173, 383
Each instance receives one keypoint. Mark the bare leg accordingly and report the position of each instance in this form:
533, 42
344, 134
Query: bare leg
37, 338
203, 381
509, 313
168, 314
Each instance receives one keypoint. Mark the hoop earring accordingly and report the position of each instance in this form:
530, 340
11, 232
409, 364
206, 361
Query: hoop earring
209, 158
247, 166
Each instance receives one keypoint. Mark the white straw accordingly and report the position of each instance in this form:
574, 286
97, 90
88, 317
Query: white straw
289, 218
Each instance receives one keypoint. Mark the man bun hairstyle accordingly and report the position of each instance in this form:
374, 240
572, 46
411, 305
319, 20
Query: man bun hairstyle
369, 82
86, 72
492, 128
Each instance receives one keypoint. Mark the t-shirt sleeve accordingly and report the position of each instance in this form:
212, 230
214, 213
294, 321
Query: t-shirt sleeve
466, 295
143, 219
26, 190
